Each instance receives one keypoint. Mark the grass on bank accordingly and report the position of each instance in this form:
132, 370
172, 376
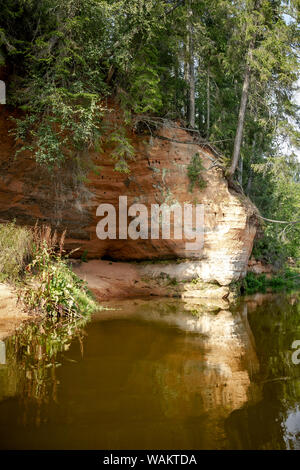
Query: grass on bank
33, 260
289, 279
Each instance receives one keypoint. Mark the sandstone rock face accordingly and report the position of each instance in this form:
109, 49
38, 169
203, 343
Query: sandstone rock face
158, 175
258, 267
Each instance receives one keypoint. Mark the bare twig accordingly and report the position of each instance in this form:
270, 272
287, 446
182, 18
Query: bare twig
279, 221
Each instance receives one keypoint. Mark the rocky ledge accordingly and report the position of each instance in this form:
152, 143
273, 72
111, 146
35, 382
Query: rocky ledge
115, 280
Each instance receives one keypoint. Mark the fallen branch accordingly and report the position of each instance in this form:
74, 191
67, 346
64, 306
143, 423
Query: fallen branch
279, 221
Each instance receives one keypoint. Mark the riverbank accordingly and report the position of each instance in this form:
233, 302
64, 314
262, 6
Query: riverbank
36, 278
179, 279
119, 280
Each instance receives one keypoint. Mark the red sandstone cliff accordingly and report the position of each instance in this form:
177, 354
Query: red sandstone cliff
158, 174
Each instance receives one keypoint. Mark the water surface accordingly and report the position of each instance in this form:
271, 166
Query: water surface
156, 374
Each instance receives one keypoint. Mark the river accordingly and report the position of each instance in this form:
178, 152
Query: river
156, 374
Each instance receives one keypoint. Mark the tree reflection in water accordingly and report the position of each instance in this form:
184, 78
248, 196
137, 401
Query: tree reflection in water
32, 358
273, 422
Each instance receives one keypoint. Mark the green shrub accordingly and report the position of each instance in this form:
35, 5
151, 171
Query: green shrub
52, 288
34, 259
194, 173
288, 279
254, 283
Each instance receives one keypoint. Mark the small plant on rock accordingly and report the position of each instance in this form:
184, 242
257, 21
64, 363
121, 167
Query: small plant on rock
194, 173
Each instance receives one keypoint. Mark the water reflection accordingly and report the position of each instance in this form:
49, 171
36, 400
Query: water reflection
31, 359
156, 374
215, 361
275, 323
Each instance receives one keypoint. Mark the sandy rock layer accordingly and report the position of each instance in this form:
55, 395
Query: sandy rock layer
11, 314
115, 280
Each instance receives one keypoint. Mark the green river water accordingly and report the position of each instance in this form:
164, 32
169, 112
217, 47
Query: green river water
156, 374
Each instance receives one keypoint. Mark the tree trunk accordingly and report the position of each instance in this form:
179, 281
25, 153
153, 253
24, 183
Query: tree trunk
240, 178
186, 77
208, 105
249, 182
191, 107
243, 103
241, 120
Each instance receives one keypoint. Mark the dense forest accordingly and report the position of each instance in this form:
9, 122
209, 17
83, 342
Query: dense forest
227, 70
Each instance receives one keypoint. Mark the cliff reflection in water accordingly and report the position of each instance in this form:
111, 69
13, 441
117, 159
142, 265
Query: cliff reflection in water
156, 374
